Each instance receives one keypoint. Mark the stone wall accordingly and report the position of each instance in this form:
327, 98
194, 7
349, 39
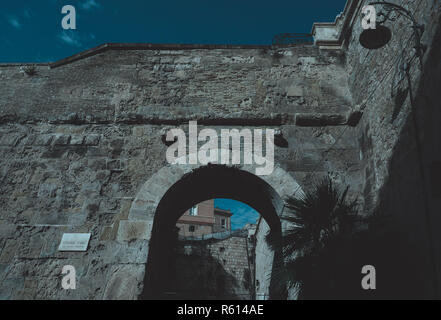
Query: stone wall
264, 262
133, 86
216, 269
393, 180
80, 138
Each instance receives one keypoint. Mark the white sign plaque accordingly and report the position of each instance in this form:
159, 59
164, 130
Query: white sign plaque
74, 242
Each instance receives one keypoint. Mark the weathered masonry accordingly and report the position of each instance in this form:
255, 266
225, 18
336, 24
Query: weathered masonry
82, 151
214, 269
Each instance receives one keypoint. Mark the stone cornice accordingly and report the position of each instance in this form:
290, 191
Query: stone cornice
331, 35
144, 46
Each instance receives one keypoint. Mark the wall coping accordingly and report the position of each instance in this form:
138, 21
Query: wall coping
147, 46
331, 35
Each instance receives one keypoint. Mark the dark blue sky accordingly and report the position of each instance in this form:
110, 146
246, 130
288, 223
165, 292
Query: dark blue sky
30, 30
242, 213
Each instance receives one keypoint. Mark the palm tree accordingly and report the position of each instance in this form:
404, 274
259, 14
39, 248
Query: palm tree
319, 227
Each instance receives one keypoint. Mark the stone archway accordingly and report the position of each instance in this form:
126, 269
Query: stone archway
175, 188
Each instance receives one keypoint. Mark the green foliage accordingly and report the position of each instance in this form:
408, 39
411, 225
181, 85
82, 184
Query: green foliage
320, 226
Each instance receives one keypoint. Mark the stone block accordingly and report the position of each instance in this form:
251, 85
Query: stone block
142, 214
33, 247
96, 164
50, 217
294, 91
106, 233
9, 287
50, 246
9, 251
47, 190
125, 282
133, 230
7, 230
43, 140
92, 139
115, 164
91, 188
62, 140
133, 252
77, 140
77, 217
9, 140
125, 208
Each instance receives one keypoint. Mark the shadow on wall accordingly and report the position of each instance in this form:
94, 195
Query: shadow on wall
200, 277
402, 251
384, 246
197, 275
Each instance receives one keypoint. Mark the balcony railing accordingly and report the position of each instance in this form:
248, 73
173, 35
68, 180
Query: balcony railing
216, 236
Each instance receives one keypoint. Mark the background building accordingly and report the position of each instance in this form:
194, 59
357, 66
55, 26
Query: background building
204, 218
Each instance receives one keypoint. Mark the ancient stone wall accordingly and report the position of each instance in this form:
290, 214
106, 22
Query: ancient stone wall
80, 138
264, 262
215, 269
145, 86
396, 165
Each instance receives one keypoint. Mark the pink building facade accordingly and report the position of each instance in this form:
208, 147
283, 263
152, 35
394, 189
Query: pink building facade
204, 218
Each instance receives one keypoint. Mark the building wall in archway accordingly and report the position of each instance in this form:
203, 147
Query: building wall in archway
213, 269
81, 137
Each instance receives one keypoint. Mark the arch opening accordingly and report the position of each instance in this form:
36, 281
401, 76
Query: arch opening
201, 184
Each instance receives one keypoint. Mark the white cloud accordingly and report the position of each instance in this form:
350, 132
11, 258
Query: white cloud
15, 23
70, 38
90, 4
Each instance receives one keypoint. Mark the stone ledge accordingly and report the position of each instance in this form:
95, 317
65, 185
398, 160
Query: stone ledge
320, 120
142, 46
213, 119
330, 35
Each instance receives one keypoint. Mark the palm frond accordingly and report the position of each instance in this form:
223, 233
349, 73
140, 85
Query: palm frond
317, 224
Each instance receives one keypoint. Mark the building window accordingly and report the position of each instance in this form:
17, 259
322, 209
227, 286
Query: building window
223, 223
193, 211
191, 228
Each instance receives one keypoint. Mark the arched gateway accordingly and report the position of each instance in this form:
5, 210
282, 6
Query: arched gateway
174, 189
